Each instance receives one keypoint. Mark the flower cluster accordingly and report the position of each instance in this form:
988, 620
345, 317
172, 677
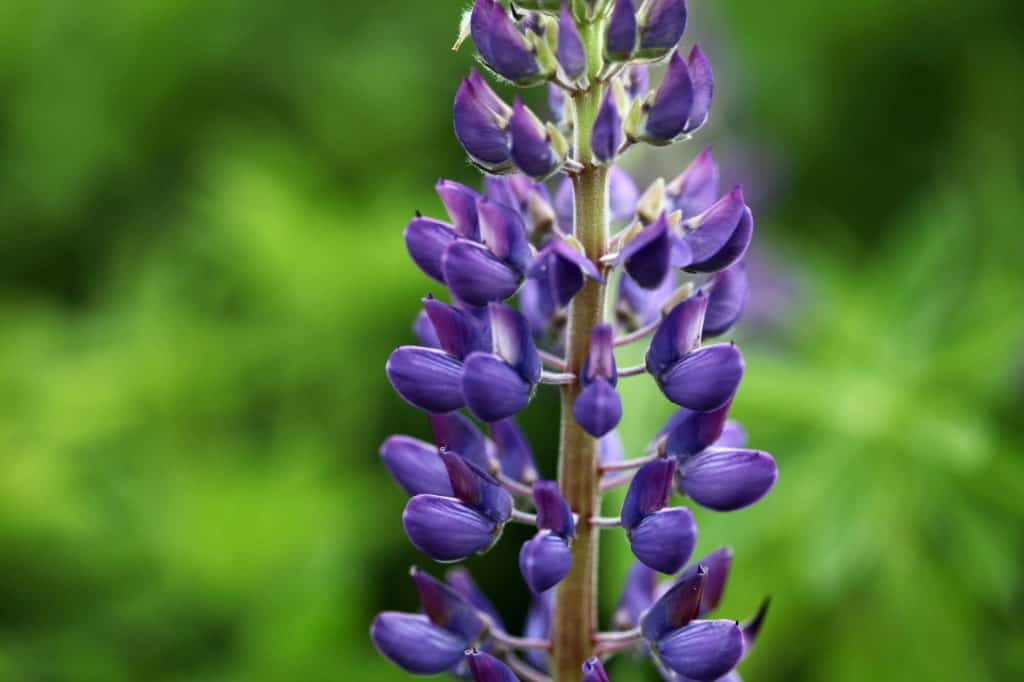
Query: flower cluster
527, 267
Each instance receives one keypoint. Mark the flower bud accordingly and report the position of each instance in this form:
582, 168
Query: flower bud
621, 36
718, 237
648, 491
544, 560
733, 436
647, 257
476, 276
503, 231
553, 512
415, 466
486, 668
492, 389
688, 432
513, 451
426, 378
475, 487
564, 267
662, 24
445, 529
678, 107
501, 46
702, 650
413, 643
606, 136
570, 52
705, 379
727, 299
678, 335
537, 150
726, 479
481, 125
593, 671
512, 343
459, 333
460, 202
565, 205
696, 188
598, 408
665, 539
426, 240
610, 448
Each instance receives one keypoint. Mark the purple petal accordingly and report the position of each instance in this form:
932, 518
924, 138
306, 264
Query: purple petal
637, 596
499, 190
703, 650
460, 202
415, 466
610, 448
636, 78
716, 565
733, 436
424, 331
726, 479
621, 37
622, 194
500, 44
493, 390
726, 301
665, 539
426, 240
703, 88
513, 343
677, 607
690, 432
661, 27
648, 255
600, 362
752, 628
696, 188
673, 101
531, 150
593, 671
426, 378
732, 251
476, 276
598, 408
462, 582
537, 304
457, 433
445, 607
678, 335
643, 306
648, 491
544, 561
479, 127
553, 512
538, 626
445, 529
414, 644
711, 242
475, 487
570, 52
458, 332
556, 104
564, 205
705, 380
486, 668
503, 231
606, 136
513, 451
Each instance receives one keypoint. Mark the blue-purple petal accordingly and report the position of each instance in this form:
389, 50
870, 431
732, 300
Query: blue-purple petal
696, 188
457, 433
426, 240
500, 44
460, 202
598, 408
480, 128
678, 335
492, 390
673, 101
678, 606
476, 276
663, 25
689, 432
486, 668
703, 88
606, 136
415, 466
621, 35
648, 491
426, 378
704, 380
531, 150
665, 539
569, 52
727, 479
726, 301
544, 561
503, 231
446, 529
622, 194
648, 256
553, 512
637, 596
513, 342
515, 458
593, 671
703, 650
416, 645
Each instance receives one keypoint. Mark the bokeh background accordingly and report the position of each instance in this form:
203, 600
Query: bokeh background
201, 274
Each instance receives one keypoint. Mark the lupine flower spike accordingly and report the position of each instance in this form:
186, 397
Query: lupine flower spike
520, 267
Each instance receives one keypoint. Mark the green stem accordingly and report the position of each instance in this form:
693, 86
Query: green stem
575, 616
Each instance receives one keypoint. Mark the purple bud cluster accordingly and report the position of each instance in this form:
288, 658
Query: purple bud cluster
513, 259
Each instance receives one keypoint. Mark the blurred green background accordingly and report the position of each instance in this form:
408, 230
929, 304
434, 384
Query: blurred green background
201, 274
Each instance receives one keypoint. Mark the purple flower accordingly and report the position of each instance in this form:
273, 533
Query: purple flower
637, 596
647, 257
545, 559
513, 451
696, 188
501, 46
718, 237
499, 384
593, 671
606, 137
662, 23
458, 434
564, 268
635, 79
460, 202
728, 296
415, 466
481, 124
486, 668
661, 538
621, 36
571, 56
538, 626
680, 104
462, 582
537, 150
622, 194
598, 408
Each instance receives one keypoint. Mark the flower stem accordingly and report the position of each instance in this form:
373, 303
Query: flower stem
576, 599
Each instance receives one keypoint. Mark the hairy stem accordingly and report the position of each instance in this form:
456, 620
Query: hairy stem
576, 599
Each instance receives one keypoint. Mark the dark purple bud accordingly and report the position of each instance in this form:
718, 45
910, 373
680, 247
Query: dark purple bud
726, 301
532, 151
662, 23
621, 37
415, 466
648, 255
610, 448
593, 671
622, 194
665, 539
720, 236
556, 104
481, 124
460, 202
500, 44
445, 607
510, 335
476, 276
492, 389
564, 268
690, 432
544, 560
673, 101
733, 436
606, 136
677, 607
538, 626
648, 491
570, 53
678, 335
564, 205
637, 596
696, 188
703, 88
458, 332
513, 451
726, 479
636, 79
703, 650
445, 529
503, 231
426, 240
456, 433
752, 628
462, 582
416, 645
716, 564
704, 380
486, 668
424, 331
426, 378
553, 512
598, 408
475, 487
600, 362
